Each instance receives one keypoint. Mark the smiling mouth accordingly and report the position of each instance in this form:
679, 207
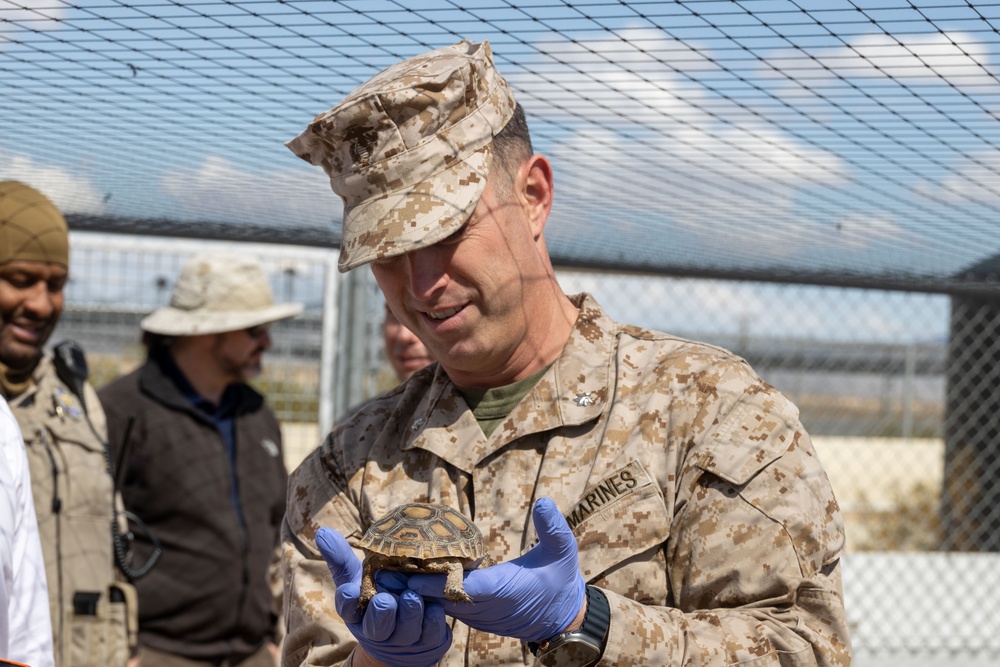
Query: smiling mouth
443, 314
28, 334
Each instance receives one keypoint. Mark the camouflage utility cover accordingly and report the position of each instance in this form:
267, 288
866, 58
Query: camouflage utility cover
697, 500
409, 150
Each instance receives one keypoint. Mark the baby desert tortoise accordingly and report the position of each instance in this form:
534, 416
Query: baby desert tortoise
418, 537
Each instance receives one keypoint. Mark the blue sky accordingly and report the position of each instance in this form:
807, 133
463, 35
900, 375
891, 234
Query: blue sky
829, 135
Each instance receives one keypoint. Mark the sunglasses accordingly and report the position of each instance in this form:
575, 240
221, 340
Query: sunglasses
258, 331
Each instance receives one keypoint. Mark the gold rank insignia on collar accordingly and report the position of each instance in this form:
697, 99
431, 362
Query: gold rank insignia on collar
66, 403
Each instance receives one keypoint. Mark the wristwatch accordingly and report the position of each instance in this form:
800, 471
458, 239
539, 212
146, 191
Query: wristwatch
578, 648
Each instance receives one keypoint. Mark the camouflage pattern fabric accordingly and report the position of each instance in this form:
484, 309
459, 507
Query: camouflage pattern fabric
698, 502
410, 149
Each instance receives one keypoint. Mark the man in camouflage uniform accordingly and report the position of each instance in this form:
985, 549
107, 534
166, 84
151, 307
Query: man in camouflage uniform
649, 500
93, 610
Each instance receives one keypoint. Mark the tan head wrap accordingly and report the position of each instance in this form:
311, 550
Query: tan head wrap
31, 227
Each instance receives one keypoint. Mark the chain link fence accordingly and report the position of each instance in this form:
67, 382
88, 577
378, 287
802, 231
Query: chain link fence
116, 280
899, 391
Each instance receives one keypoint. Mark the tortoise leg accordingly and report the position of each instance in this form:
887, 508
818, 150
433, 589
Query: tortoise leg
453, 589
367, 584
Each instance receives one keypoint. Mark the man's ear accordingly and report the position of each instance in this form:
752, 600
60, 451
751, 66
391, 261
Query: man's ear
536, 191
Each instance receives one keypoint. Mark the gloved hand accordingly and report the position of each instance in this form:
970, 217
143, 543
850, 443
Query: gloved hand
396, 628
532, 597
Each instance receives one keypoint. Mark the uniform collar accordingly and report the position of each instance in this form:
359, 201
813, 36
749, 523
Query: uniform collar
38, 374
12, 383
574, 391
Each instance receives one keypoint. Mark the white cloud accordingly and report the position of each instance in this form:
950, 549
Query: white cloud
28, 14
221, 186
974, 179
742, 179
707, 159
70, 192
754, 154
859, 232
629, 76
947, 56
956, 58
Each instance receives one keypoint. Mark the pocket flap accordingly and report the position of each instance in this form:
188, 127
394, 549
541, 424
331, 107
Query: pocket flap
618, 518
757, 431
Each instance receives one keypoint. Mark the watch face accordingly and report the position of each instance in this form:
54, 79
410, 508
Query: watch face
572, 653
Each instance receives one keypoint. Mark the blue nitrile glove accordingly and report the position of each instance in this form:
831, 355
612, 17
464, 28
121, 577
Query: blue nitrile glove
532, 597
395, 629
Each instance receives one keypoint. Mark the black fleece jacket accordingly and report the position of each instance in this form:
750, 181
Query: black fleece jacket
208, 597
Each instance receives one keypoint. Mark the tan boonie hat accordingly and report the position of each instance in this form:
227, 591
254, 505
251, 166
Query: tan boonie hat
409, 150
31, 227
215, 294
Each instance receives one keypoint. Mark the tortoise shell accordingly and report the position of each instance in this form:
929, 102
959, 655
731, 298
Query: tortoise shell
418, 537
424, 532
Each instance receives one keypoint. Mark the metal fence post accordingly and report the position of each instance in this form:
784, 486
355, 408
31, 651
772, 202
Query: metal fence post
328, 393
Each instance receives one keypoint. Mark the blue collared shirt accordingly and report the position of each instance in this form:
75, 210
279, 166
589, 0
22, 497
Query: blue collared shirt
222, 415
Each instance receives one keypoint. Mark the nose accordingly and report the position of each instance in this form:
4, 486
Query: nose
426, 272
265, 339
406, 337
40, 302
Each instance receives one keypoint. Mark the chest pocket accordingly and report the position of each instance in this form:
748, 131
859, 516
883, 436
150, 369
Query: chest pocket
69, 465
622, 525
757, 431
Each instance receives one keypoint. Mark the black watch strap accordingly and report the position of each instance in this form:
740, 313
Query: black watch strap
596, 622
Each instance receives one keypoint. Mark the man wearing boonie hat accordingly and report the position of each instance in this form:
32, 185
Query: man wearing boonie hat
92, 608
203, 468
649, 500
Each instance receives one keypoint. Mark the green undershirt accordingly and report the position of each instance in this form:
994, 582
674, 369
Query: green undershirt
491, 406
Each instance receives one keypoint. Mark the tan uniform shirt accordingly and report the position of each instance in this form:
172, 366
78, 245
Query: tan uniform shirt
697, 500
93, 613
